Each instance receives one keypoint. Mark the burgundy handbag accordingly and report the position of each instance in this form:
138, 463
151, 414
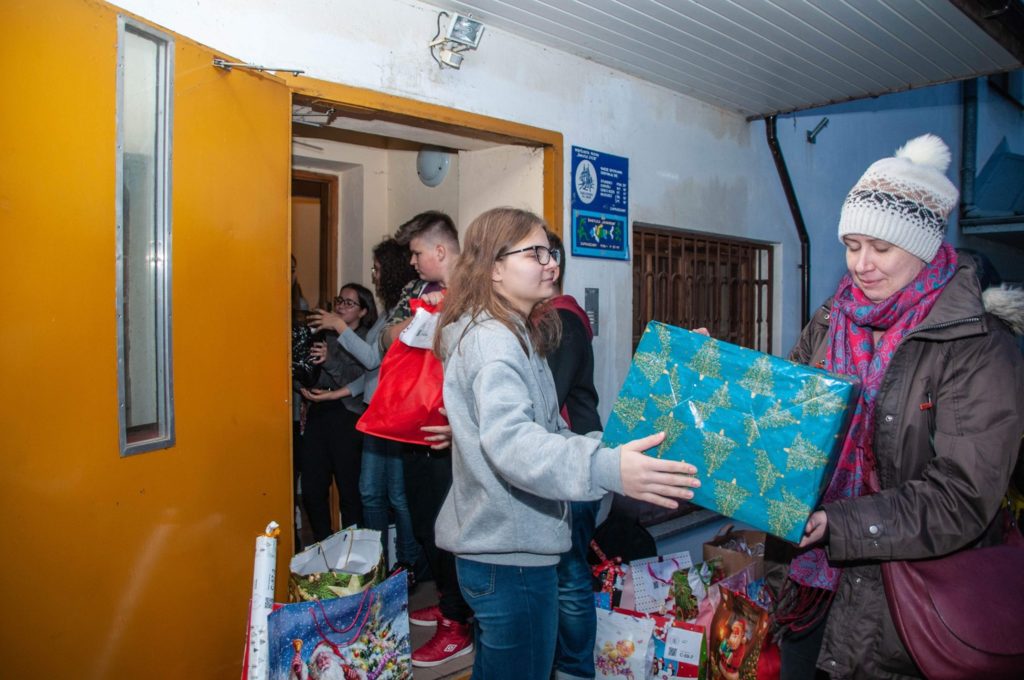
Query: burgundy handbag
962, 615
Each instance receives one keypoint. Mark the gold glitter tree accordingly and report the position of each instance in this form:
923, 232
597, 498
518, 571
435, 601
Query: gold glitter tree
776, 416
720, 399
816, 399
707, 361
759, 378
667, 402
729, 496
750, 427
803, 455
630, 410
717, 448
785, 514
672, 428
651, 365
767, 473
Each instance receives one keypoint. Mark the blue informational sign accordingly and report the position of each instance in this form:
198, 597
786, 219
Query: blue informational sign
600, 203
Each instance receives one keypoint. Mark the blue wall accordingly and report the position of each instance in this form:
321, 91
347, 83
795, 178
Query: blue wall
861, 132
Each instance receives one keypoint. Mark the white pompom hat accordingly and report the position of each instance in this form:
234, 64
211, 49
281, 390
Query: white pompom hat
905, 200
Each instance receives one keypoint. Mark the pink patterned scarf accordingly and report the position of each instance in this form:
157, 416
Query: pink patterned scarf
852, 351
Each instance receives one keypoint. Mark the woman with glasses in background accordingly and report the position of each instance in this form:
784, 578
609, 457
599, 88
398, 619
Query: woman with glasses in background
332, 446
514, 461
381, 481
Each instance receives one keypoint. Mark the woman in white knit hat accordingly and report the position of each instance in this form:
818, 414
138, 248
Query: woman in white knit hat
935, 433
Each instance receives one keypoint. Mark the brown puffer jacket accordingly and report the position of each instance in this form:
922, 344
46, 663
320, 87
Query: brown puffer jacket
936, 496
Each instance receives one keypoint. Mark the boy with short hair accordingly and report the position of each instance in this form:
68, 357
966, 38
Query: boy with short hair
434, 243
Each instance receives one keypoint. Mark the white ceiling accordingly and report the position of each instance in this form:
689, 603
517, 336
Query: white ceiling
758, 57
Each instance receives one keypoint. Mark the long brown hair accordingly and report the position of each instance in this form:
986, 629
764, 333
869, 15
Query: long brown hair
472, 292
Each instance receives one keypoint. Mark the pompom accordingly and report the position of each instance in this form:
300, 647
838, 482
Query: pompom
927, 150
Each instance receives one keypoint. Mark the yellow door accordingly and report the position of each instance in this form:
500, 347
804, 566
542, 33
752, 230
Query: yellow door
138, 566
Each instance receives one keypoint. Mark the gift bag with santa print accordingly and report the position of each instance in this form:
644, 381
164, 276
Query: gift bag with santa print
624, 646
737, 633
363, 636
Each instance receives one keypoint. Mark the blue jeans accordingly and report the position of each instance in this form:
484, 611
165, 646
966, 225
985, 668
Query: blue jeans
577, 621
516, 618
382, 486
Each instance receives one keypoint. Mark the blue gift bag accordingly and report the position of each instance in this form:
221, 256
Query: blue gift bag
360, 636
763, 432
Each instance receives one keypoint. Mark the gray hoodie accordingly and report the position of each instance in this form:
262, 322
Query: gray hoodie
513, 459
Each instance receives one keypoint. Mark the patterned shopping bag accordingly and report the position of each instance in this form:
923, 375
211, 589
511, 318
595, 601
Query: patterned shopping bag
362, 636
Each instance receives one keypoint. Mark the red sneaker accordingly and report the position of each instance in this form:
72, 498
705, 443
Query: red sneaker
452, 640
428, 616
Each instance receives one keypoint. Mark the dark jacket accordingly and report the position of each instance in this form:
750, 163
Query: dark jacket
948, 423
572, 366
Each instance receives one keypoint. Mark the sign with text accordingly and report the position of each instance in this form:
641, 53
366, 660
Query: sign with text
600, 202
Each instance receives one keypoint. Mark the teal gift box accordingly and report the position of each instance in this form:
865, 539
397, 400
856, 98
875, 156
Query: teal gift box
763, 432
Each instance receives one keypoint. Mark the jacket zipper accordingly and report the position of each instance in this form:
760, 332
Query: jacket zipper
945, 324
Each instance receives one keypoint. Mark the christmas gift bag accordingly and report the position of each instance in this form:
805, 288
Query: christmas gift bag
763, 432
735, 548
679, 649
342, 564
624, 646
609, 575
358, 636
690, 588
652, 579
736, 635
408, 392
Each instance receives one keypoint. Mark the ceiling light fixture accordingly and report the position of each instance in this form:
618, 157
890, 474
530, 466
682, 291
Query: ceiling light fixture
463, 33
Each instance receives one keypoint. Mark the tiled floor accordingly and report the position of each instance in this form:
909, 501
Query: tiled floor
456, 669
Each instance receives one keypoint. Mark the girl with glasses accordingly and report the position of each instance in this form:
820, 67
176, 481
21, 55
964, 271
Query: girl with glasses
332, 447
514, 461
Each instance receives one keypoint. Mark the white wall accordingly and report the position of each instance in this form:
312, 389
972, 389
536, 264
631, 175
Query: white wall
691, 165
378, 190
408, 196
501, 176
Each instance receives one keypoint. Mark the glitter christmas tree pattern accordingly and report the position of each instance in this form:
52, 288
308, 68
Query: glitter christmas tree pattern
702, 410
759, 378
786, 514
767, 473
629, 410
672, 428
717, 448
816, 398
729, 496
707, 362
803, 455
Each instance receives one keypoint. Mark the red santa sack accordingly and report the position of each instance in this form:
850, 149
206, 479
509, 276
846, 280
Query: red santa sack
408, 394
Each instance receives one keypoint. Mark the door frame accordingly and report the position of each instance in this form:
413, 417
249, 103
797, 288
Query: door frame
327, 194
359, 102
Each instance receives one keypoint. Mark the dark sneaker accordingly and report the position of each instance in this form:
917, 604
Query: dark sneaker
452, 640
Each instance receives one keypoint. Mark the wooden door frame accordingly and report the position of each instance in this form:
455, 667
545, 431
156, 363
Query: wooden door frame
358, 102
328, 197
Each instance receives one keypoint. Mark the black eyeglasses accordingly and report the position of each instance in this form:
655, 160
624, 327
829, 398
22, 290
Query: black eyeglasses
542, 253
345, 302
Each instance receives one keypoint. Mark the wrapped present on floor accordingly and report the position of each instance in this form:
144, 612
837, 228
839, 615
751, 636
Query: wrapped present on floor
763, 432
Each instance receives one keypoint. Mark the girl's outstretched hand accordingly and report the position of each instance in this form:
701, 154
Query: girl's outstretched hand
654, 480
